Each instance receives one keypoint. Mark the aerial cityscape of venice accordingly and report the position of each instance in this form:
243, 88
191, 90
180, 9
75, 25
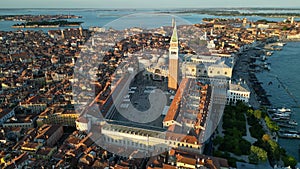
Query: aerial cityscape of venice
126, 84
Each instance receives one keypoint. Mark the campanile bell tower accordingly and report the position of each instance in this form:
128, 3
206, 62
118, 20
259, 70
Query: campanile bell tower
173, 60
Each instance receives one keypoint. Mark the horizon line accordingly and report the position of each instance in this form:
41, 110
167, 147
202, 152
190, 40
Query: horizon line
108, 8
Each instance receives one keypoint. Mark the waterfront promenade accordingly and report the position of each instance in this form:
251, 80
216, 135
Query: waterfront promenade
241, 72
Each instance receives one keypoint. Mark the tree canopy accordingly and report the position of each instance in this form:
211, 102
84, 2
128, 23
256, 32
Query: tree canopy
257, 155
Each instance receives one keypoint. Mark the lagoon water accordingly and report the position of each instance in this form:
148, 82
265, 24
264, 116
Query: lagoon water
285, 90
101, 17
284, 64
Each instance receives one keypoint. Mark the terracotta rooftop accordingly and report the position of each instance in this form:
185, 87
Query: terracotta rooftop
173, 110
182, 137
47, 131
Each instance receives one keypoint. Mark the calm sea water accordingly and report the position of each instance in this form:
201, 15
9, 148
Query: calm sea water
285, 90
284, 63
98, 17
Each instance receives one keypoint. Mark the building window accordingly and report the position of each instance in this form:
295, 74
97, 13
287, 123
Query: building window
225, 73
218, 72
211, 71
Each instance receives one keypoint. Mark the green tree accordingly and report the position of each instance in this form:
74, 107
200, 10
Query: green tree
257, 114
218, 140
263, 111
271, 124
250, 112
274, 149
289, 161
245, 146
241, 107
257, 155
218, 153
256, 131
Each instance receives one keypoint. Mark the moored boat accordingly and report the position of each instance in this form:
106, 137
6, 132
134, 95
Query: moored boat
285, 125
293, 122
282, 114
283, 110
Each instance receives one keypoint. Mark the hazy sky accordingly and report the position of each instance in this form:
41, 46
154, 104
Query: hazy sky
145, 3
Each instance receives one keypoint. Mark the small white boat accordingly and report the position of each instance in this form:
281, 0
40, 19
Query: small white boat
286, 135
280, 44
284, 110
293, 122
276, 118
269, 53
282, 114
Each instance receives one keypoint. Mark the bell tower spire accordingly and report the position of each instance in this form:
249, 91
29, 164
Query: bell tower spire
173, 59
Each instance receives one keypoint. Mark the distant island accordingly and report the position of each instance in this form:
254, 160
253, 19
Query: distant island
46, 24
32, 18
212, 20
226, 12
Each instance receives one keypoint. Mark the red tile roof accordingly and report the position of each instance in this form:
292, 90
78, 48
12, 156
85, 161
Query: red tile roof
173, 110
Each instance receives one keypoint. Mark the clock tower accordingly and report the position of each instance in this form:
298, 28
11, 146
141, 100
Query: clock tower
173, 60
